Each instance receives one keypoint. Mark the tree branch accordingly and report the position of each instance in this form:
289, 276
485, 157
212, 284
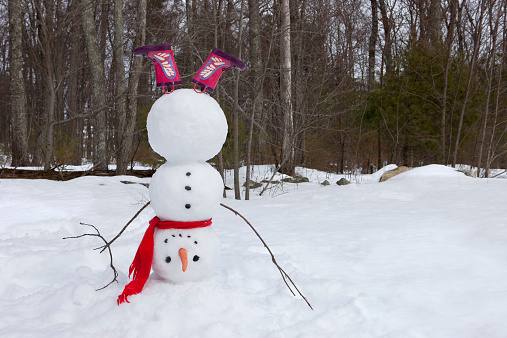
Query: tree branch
285, 276
108, 244
115, 273
501, 173
271, 179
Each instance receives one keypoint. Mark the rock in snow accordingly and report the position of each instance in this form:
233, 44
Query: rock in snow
391, 173
343, 181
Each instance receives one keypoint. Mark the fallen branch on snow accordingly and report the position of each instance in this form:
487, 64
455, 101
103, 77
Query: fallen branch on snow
284, 274
108, 244
115, 273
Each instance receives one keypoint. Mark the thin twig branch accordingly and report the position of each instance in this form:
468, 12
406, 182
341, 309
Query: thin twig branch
285, 276
271, 179
108, 244
503, 172
115, 273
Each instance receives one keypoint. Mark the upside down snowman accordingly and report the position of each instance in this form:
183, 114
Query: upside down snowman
187, 128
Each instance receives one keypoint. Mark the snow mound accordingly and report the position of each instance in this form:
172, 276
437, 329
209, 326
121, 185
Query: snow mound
430, 171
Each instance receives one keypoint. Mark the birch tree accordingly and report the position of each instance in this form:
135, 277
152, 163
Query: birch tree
288, 151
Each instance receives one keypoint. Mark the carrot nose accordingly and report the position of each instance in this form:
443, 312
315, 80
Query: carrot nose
184, 259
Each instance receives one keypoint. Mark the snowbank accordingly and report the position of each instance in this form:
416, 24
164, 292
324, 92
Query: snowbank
397, 259
430, 171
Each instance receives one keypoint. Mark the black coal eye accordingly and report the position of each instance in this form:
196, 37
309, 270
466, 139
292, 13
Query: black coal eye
168, 259
195, 242
189, 173
188, 188
187, 206
165, 241
196, 258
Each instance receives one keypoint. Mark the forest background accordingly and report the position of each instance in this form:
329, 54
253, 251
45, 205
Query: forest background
336, 85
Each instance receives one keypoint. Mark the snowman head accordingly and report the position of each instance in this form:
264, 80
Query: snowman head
184, 254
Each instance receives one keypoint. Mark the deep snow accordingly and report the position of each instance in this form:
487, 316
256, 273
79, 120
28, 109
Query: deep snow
421, 255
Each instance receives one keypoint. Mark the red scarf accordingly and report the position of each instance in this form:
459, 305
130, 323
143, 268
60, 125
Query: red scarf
141, 266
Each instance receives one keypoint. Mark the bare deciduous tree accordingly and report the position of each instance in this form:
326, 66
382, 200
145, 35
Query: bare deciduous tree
124, 141
288, 151
18, 98
100, 157
477, 35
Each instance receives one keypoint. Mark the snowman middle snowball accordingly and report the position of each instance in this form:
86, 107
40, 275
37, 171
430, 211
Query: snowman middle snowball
187, 128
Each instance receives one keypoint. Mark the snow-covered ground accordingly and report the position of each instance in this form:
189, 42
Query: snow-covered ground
421, 255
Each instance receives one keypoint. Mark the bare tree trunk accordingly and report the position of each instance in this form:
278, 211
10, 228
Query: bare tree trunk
341, 163
42, 83
100, 158
188, 15
60, 62
73, 89
372, 45
448, 46
17, 87
257, 73
288, 152
123, 149
51, 100
435, 22
235, 133
237, 189
50, 115
386, 21
103, 27
132, 93
477, 41
491, 148
494, 36
300, 83
371, 71
48, 74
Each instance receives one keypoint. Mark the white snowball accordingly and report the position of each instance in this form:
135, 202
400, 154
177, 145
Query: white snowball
186, 126
186, 192
202, 250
